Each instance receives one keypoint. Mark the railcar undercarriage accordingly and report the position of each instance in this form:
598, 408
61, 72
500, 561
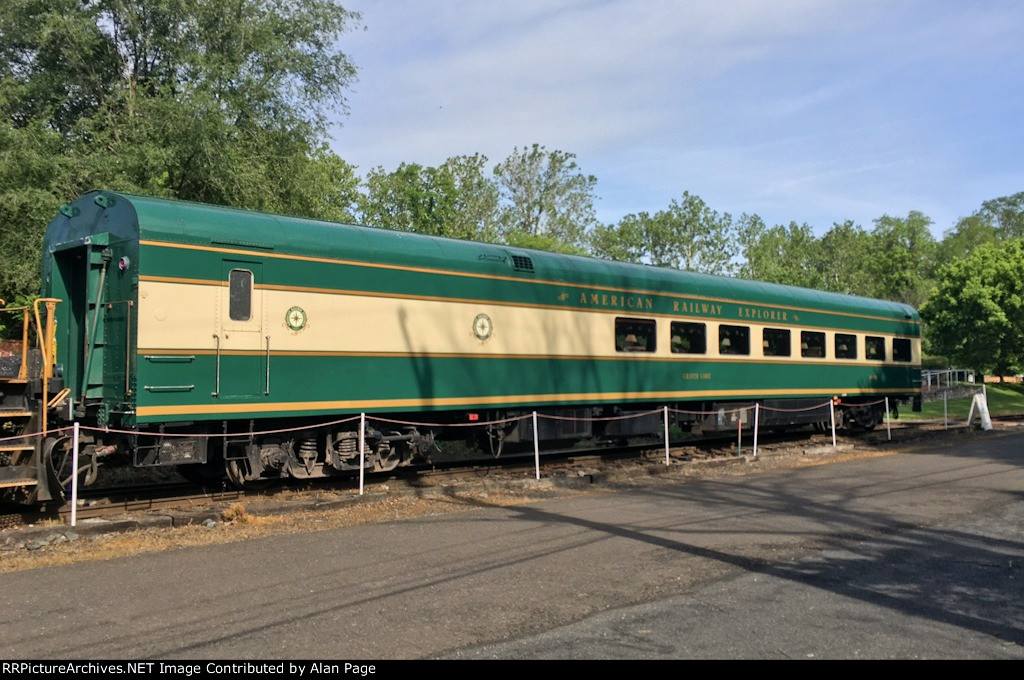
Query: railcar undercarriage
271, 450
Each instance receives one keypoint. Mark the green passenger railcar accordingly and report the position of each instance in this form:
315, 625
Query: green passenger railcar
178, 317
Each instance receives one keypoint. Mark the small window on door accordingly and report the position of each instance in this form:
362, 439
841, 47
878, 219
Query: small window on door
240, 294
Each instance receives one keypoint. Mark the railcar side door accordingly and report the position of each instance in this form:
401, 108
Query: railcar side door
81, 278
240, 342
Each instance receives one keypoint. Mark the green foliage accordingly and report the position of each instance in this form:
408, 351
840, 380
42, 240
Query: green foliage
1005, 214
544, 198
843, 258
779, 254
456, 199
976, 316
903, 258
34, 171
628, 241
687, 235
968, 234
222, 102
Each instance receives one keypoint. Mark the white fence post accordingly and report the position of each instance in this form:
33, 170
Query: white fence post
832, 416
888, 426
536, 446
74, 475
666, 436
362, 456
757, 419
945, 410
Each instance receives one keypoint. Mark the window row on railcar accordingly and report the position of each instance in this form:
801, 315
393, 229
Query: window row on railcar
691, 337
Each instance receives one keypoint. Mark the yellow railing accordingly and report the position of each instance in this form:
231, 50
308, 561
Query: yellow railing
46, 342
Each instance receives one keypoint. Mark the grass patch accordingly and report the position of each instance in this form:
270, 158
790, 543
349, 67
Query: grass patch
1003, 400
236, 513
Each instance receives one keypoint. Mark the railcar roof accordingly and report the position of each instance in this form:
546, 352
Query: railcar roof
132, 216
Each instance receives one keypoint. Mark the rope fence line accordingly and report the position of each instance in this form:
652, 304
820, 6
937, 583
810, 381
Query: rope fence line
593, 419
473, 423
19, 437
499, 421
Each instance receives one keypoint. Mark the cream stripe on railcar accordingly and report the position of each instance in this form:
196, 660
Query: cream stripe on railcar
175, 316
180, 316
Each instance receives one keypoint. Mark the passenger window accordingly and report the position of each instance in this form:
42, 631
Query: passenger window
635, 335
874, 348
846, 346
689, 338
776, 342
812, 344
901, 349
240, 294
733, 340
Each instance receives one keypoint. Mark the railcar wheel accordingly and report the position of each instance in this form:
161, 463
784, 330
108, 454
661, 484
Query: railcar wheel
58, 452
387, 463
866, 419
236, 471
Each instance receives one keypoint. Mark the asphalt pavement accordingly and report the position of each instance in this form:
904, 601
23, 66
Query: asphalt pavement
915, 555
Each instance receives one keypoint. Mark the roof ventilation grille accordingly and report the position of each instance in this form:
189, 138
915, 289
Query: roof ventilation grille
522, 263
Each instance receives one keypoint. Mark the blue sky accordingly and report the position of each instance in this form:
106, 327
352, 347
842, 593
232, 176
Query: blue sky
816, 111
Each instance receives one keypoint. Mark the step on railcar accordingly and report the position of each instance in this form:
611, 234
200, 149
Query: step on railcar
203, 337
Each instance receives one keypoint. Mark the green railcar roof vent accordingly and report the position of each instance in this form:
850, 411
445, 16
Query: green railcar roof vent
104, 201
522, 263
68, 210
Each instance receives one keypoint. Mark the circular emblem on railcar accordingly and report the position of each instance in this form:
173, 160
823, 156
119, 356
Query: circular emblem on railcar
295, 318
482, 327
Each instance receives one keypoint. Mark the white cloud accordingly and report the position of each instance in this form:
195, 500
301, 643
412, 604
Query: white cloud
808, 111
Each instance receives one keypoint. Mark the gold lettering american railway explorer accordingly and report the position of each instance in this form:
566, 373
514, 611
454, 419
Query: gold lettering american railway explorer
616, 300
763, 314
696, 307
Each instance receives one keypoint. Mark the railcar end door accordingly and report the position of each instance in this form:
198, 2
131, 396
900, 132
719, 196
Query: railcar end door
240, 345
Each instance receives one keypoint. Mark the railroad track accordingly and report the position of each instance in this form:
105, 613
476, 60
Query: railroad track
169, 497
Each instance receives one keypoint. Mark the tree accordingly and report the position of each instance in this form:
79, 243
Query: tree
475, 208
692, 236
631, 240
687, 235
1006, 214
976, 315
968, 234
903, 258
779, 254
223, 102
843, 260
455, 199
546, 201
